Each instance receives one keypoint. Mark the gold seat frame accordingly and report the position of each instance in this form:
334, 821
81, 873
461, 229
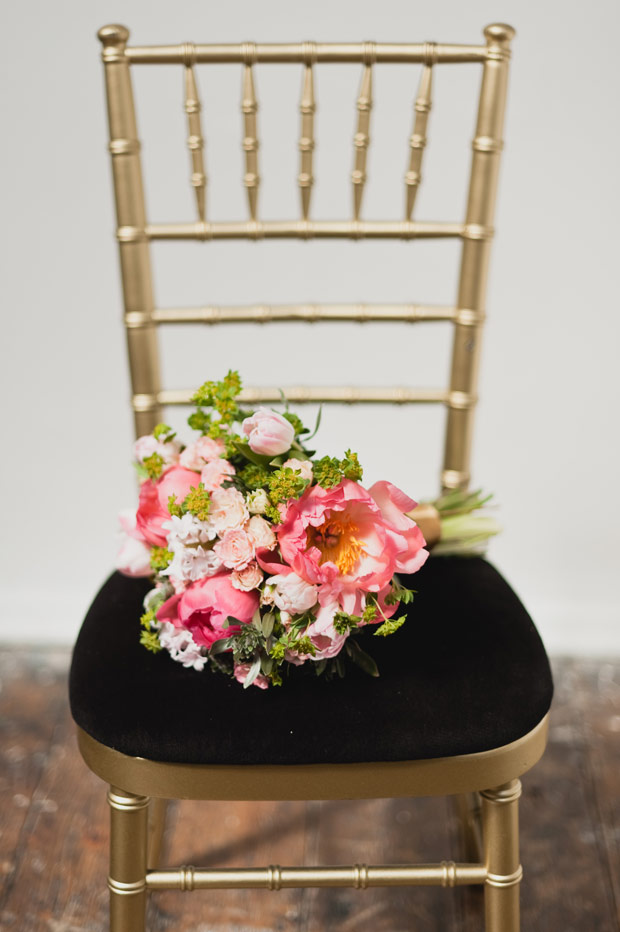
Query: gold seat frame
485, 784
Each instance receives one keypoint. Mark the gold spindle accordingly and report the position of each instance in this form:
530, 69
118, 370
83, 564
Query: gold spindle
306, 143
487, 147
195, 140
131, 232
362, 138
417, 141
249, 106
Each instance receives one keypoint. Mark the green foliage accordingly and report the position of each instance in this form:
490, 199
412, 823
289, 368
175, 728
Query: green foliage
154, 465
327, 472
150, 640
254, 476
199, 420
220, 396
285, 483
174, 508
296, 423
344, 622
197, 502
350, 466
160, 558
164, 433
390, 626
370, 612
399, 593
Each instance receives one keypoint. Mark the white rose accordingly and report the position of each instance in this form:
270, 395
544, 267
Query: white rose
292, 594
304, 467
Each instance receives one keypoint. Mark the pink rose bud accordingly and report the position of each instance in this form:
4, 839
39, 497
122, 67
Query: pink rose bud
268, 432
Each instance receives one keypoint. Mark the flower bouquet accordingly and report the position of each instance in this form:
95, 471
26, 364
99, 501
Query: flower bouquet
263, 556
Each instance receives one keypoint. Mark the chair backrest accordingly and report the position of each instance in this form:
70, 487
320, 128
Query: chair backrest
134, 233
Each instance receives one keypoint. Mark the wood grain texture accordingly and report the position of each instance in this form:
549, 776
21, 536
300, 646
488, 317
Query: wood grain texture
54, 830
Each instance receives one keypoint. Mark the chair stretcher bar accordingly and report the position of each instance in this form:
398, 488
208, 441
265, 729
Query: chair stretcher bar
340, 394
308, 313
304, 229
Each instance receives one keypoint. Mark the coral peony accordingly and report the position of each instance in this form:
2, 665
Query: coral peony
350, 541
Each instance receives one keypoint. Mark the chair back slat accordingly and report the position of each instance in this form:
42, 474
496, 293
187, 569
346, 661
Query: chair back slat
361, 139
249, 108
417, 141
475, 231
307, 109
195, 139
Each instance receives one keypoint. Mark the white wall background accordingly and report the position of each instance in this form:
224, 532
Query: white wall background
547, 428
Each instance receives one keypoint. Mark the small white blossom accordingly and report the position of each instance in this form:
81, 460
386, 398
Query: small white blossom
188, 530
257, 502
192, 563
181, 646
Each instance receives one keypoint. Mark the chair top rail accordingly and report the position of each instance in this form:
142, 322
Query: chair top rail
307, 53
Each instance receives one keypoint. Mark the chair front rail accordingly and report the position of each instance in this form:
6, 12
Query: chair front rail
306, 313
305, 229
359, 876
297, 53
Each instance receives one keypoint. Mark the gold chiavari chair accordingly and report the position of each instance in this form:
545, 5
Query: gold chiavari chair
472, 716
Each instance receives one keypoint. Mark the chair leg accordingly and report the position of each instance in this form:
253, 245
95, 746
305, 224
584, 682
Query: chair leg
500, 828
157, 828
468, 813
128, 843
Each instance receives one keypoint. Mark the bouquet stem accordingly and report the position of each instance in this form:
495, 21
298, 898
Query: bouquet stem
455, 523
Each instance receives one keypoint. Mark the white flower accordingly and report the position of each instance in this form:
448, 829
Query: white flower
188, 530
192, 563
181, 646
257, 502
291, 593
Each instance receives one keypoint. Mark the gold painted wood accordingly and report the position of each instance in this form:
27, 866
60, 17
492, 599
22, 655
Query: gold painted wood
312, 394
487, 146
463, 773
195, 139
128, 842
312, 229
302, 313
417, 141
295, 53
361, 139
307, 109
249, 107
500, 826
359, 876
130, 212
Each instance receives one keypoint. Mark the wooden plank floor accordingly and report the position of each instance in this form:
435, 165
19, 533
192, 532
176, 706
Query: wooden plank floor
53, 830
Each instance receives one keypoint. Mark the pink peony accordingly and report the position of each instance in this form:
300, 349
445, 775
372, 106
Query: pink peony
268, 432
250, 577
215, 472
153, 503
235, 549
204, 607
350, 541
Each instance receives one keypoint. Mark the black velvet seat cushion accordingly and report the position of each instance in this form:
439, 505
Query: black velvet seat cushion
466, 673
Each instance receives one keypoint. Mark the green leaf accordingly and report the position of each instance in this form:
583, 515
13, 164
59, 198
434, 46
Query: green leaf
266, 664
268, 623
221, 646
253, 673
361, 658
245, 450
317, 424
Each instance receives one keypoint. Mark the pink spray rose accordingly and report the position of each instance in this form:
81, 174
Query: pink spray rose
241, 674
147, 445
153, 504
214, 473
202, 451
268, 432
261, 533
204, 607
350, 541
235, 549
250, 577
228, 510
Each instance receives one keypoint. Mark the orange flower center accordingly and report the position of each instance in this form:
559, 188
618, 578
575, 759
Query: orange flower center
336, 540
